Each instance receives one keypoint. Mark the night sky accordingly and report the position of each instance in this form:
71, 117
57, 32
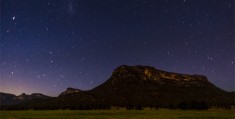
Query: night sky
50, 45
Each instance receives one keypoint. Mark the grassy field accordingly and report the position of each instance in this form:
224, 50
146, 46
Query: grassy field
120, 114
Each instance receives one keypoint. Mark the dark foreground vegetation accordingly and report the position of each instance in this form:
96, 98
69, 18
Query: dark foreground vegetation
119, 114
54, 104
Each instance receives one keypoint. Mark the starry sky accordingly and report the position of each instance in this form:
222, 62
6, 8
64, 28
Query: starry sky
50, 45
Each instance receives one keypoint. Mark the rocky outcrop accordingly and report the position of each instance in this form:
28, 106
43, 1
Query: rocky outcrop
150, 73
70, 91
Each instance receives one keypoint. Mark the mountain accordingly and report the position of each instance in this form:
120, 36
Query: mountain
24, 96
7, 99
140, 86
145, 85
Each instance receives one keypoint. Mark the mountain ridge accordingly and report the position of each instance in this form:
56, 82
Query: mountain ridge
145, 86
7, 98
148, 86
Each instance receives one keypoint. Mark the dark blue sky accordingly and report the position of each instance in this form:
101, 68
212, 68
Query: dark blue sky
49, 45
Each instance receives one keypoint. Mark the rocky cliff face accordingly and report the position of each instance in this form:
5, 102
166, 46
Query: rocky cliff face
70, 91
150, 73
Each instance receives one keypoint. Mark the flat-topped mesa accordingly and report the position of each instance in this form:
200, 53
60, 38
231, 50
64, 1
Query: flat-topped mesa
136, 72
151, 73
185, 77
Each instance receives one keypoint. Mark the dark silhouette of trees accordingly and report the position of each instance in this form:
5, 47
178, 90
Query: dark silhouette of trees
139, 107
193, 105
136, 107
130, 107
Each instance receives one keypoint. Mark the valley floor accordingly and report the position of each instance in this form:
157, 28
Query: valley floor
120, 114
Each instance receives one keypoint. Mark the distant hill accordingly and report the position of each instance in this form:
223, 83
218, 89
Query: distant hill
9, 99
140, 86
6, 98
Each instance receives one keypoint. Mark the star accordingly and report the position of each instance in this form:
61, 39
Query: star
203, 67
83, 58
61, 76
71, 8
209, 58
91, 82
190, 25
27, 60
73, 42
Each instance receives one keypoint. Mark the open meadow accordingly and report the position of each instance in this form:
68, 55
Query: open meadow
119, 114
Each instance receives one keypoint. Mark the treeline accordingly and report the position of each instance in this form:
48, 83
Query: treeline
40, 105
193, 105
